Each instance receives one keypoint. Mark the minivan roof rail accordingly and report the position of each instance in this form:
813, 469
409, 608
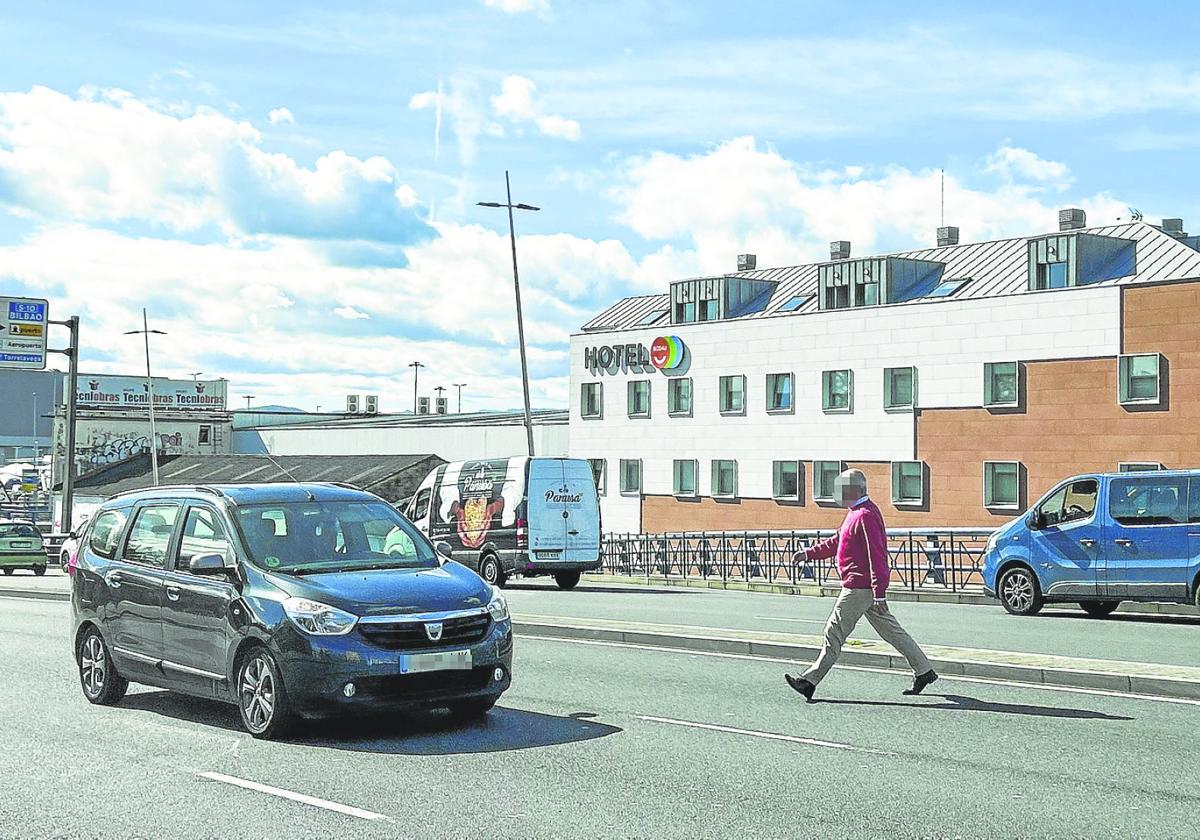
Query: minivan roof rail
202, 488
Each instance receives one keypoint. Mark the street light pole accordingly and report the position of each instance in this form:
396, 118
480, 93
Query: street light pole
247, 398
416, 366
145, 331
512, 234
460, 386
37, 453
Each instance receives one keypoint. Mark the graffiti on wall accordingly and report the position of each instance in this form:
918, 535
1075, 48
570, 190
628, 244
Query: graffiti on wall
106, 447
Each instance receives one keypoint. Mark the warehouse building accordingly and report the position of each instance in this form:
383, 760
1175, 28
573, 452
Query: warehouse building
963, 379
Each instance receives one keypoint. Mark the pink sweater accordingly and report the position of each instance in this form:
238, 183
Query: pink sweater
861, 549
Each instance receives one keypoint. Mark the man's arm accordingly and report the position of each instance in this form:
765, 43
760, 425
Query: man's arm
823, 550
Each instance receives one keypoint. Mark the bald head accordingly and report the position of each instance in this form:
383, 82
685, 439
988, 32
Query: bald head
850, 486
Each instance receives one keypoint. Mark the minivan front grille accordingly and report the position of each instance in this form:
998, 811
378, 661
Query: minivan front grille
411, 635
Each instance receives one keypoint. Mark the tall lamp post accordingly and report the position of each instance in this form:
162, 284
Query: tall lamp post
460, 386
416, 366
512, 234
146, 332
37, 450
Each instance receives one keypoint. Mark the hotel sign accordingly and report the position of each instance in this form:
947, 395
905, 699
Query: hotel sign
664, 353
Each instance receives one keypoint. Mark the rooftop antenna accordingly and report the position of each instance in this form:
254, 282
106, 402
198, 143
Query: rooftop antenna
289, 474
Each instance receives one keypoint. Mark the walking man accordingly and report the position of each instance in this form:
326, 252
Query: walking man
860, 546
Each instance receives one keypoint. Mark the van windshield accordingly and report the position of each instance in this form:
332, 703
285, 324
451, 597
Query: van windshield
314, 537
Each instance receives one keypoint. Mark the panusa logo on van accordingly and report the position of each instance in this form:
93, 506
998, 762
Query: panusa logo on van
564, 498
666, 352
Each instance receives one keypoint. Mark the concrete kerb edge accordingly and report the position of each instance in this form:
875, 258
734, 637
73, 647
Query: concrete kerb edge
788, 652
35, 594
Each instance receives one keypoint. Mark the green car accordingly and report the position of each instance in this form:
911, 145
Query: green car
21, 548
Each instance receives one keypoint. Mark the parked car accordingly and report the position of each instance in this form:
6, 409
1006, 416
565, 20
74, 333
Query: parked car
520, 515
70, 548
1101, 539
281, 599
21, 547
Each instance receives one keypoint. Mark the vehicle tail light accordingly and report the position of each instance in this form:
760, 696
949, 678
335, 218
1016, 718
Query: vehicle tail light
522, 533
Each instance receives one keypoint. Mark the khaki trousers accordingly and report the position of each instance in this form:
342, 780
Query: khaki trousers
851, 606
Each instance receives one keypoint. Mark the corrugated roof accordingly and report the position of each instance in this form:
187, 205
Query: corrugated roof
540, 417
998, 267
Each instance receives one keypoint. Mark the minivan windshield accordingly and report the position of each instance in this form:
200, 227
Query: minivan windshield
314, 537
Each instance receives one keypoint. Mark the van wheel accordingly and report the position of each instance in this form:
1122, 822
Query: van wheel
8, 571
1020, 592
262, 697
98, 675
1099, 609
489, 570
567, 580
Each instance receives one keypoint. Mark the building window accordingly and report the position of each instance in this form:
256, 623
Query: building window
205, 435
591, 400
631, 476
948, 287
908, 482
724, 479
779, 392
1051, 276
685, 478
679, 397
1140, 379
652, 317
1002, 484
685, 312
837, 390
733, 395
599, 474
639, 398
708, 309
793, 303
824, 475
1001, 384
786, 481
899, 388
1139, 466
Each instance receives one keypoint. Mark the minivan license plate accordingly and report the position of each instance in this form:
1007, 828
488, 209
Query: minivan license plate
418, 663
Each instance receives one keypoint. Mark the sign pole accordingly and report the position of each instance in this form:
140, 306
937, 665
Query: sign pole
68, 497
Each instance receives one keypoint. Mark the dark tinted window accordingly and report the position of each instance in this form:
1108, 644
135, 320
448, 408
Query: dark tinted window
1148, 501
1194, 500
1073, 503
106, 533
203, 533
150, 535
18, 529
421, 505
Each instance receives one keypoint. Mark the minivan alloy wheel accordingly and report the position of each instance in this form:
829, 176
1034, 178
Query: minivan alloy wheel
1019, 592
256, 693
93, 665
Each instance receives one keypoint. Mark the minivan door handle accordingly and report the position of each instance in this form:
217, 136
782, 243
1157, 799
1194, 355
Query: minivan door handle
113, 579
173, 593
1087, 542
1124, 543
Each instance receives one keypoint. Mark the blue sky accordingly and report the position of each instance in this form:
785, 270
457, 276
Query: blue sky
290, 187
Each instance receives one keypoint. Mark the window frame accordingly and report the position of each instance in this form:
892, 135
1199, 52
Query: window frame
798, 496
818, 471
653, 317
676, 490
672, 386
219, 520
791, 392
897, 483
794, 302
1114, 483
991, 504
204, 435
826, 381
172, 538
583, 390
1124, 366
1041, 280
119, 536
952, 285
1139, 466
713, 478
630, 491
417, 515
601, 481
888, 405
730, 412
989, 392
630, 389
703, 307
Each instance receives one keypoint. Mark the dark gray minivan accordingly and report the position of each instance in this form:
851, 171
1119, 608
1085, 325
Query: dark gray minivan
288, 600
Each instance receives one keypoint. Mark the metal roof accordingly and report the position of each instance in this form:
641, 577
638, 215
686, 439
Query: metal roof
540, 417
996, 268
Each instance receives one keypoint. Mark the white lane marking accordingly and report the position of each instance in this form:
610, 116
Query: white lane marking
1066, 689
770, 736
348, 810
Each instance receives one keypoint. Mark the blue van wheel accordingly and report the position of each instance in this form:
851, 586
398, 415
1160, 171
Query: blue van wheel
1020, 592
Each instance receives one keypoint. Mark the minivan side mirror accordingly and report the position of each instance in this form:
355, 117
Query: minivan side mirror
444, 549
1034, 520
207, 564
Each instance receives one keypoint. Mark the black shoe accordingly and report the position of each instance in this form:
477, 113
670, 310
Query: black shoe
920, 681
802, 685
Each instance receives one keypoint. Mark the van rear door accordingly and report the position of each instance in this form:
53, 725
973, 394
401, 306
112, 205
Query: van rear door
547, 519
583, 513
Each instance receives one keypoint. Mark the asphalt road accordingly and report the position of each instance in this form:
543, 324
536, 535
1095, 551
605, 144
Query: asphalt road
1063, 631
593, 741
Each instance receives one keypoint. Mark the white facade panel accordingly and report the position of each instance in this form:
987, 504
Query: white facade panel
454, 443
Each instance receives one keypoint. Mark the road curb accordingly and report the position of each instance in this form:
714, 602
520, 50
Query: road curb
35, 594
1158, 686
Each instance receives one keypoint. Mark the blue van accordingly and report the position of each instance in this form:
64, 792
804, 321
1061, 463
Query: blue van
519, 515
1098, 540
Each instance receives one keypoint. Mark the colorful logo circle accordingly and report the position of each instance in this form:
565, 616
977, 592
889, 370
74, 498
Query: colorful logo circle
667, 352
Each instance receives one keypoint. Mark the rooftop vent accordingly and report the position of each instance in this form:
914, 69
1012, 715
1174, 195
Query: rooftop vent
1174, 227
1071, 219
839, 250
947, 236
746, 262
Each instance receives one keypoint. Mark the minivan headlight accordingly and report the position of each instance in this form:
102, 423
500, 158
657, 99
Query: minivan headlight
319, 619
498, 607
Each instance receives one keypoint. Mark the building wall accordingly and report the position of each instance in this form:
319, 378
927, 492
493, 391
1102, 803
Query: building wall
103, 438
454, 443
1072, 423
947, 341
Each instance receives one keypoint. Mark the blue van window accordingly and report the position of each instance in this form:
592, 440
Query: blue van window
1148, 501
1073, 503
1194, 499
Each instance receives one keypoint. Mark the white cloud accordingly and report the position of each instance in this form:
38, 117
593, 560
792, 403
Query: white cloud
518, 102
107, 156
281, 116
350, 313
519, 7
1017, 164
